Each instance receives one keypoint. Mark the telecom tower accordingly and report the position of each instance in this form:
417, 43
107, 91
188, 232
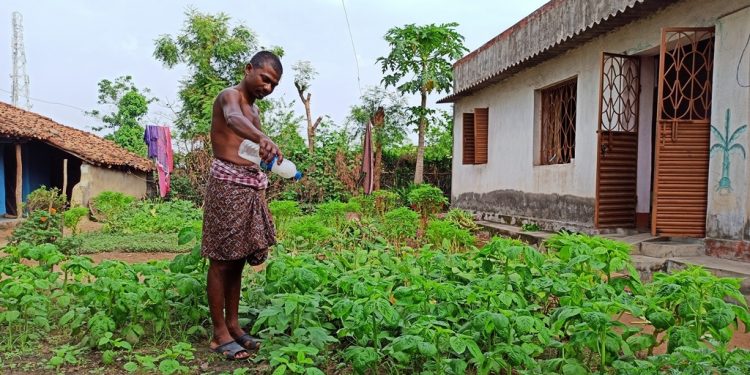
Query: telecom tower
19, 77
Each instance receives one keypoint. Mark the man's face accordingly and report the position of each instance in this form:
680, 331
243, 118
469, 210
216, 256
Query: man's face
261, 80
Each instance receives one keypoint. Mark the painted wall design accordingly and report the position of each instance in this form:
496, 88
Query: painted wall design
726, 146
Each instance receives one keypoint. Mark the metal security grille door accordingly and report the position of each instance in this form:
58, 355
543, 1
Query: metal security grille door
617, 162
682, 132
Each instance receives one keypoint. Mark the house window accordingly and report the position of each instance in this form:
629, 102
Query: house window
558, 123
475, 134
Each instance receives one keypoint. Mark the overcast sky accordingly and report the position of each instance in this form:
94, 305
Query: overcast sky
71, 45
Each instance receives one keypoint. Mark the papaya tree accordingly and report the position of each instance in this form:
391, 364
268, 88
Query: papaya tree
420, 63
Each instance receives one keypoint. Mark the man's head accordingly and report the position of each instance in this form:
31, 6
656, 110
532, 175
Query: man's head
262, 74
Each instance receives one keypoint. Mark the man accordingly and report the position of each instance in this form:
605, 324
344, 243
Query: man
237, 225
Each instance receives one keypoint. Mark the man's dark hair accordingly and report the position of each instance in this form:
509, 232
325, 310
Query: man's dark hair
267, 57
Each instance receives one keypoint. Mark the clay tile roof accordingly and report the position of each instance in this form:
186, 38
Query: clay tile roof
16, 122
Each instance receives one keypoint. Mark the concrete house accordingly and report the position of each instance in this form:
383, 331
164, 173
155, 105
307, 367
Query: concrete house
36, 151
598, 115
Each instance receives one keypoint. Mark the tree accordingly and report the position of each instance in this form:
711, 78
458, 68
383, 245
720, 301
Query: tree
130, 106
439, 138
420, 62
215, 54
303, 75
387, 112
282, 124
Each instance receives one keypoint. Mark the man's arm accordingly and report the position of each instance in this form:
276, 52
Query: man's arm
229, 100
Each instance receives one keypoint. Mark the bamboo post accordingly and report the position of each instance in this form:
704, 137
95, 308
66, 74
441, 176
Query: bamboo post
19, 180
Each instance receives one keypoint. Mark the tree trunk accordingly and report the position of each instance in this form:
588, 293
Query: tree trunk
419, 168
378, 122
310, 126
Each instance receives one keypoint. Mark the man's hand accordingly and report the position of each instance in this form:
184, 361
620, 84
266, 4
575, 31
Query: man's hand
267, 150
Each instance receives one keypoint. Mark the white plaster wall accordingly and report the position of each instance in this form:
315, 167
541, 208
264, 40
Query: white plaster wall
512, 108
645, 127
95, 180
728, 209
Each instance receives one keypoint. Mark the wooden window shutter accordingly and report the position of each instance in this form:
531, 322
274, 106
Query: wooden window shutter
481, 129
468, 138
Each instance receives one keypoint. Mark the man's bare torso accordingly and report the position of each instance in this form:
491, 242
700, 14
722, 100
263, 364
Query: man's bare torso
225, 142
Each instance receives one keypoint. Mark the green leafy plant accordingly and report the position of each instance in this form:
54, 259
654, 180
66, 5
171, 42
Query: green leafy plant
530, 227
384, 201
73, 216
44, 198
400, 224
332, 213
283, 211
448, 236
357, 301
427, 200
107, 204
310, 228
365, 204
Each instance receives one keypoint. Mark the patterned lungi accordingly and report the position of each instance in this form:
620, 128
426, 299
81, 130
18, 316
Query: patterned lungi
236, 220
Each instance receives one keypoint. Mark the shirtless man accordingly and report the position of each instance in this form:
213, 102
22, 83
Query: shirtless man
237, 225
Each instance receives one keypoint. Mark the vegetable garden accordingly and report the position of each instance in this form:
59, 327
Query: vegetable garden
373, 287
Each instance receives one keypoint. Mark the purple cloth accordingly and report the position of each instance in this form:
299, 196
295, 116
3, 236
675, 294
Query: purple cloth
151, 137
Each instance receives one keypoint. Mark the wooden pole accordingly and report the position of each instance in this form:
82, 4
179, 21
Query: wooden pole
65, 179
19, 180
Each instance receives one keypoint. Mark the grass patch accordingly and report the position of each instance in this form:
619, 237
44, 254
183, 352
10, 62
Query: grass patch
97, 242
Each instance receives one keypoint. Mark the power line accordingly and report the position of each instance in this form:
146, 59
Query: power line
356, 59
50, 102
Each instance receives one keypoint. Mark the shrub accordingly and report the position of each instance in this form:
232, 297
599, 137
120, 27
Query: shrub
73, 216
45, 198
108, 204
283, 212
44, 227
427, 200
364, 203
284, 209
400, 224
310, 228
384, 201
446, 235
332, 213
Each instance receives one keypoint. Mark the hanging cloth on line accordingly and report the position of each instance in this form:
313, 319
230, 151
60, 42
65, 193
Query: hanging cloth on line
159, 141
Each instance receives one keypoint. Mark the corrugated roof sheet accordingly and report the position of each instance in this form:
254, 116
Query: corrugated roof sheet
556, 27
17, 122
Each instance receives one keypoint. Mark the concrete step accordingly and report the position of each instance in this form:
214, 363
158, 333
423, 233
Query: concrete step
673, 247
633, 238
646, 266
